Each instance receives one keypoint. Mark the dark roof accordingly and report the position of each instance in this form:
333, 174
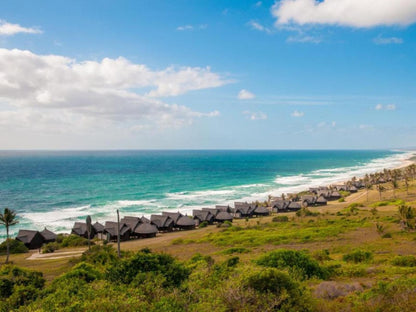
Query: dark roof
203, 215
26, 236
99, 228
214, 211
111, 228
80, 228
48, 235
144, 219
310, 199
321, 199
294, 205
175, 216
146, 228
161, 221
224, 216
280, 204
223, 208
261, 210
132, 222
185, 221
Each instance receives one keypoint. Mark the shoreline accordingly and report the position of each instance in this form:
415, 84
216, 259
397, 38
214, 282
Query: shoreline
261, 197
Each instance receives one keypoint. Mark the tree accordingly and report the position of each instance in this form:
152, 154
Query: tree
380, 189
406, 183
395, 185
8, 218
368, 187
407, 215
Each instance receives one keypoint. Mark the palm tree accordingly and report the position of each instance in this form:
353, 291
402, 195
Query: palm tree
368, 187
395, 185
8, 218
380, 189
406, 182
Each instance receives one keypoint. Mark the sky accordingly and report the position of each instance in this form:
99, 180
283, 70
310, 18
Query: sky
207, 74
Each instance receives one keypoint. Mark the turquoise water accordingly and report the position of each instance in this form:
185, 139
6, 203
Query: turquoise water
56, 188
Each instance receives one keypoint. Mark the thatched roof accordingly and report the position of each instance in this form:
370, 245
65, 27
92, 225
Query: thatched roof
261, 210
111, 228
161, 221
132, 222
224, 216
99, 228
80, 228
310, 199
146, 228
26, 236
294, 205
144, 219
223, 208
185, 221
175, 216
321, 200
48, 235
214, 211
203, 215
280, 204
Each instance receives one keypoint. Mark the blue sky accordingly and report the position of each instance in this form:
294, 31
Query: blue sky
293, 74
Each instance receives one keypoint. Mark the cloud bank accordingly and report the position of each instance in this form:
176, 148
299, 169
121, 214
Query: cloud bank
351, 13
8, 29
57, 92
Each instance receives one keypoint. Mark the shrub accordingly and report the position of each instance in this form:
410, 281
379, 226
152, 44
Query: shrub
74, 241
15, 247
280, 219
341, 200
235, 250
404, 261
297, 262
358, 256
321, 255
100, 255
83, 271
125, 270
203, 224
271, 280
50, 247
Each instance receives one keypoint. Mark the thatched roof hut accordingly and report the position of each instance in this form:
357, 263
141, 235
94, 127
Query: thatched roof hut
261, 211
132, 223
294, 206
31, 239
185, 223
321, 201
223, 216
203, 216
163, 223
98, 227
243, 210
146, 229
224, 208
280, 205
48, 236
110, 229
80, 229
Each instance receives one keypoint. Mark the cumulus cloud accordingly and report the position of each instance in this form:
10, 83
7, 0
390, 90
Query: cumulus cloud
255, 115
8, 29
54, 90
351, 13
245, 95
390, 40
298, 114
389, 107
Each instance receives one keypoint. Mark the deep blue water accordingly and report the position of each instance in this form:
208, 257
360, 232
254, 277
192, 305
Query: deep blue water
56, 188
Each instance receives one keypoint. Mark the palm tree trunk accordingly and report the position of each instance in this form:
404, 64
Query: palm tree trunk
7, 245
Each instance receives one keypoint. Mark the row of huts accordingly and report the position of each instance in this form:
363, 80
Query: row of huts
142, 227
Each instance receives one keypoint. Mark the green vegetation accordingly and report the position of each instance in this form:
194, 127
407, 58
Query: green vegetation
73, 241
15, 246
358, 256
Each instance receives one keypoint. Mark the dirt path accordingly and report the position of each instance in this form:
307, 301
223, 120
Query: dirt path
55, 255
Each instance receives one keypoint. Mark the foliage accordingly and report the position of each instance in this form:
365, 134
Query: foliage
298, 263
404, 261
50, 247
280, 219
74, 241
100, 255
203, 224
407, 215
127, 269
321, 255
305, 212
235, 250
358, 256
15, 246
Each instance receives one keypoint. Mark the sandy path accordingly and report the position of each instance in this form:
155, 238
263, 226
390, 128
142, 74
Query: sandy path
55, 255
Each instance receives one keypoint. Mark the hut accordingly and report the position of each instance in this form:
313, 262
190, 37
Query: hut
203, 216
146, 230
31, 239
145, 220
280, 205
132, 223
223, 216
294, 206
308, 200
261, 211
243, 210
163, 223
334, 195
321, 201
110, 230
99, 230
180, 221
352, 189
80, 229
48, 236
224, 208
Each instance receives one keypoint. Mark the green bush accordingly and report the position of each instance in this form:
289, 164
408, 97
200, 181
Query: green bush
280, 219
83, 271
50, 247
235, 250
341, 200
358, 256
404, 261
271, 280
100, 255
203, 224
125, 270
15, 246
321, 255
74, 241
297, 262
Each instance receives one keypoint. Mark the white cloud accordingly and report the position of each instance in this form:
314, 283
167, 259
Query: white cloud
298, 114
192, 27
245, 95
257, 26
389, 107
390, 40
8, 29
255, 115
352, 13
53, 91
258, 4
304, 39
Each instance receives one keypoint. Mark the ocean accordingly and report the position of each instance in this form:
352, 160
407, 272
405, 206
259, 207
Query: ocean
55, 189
